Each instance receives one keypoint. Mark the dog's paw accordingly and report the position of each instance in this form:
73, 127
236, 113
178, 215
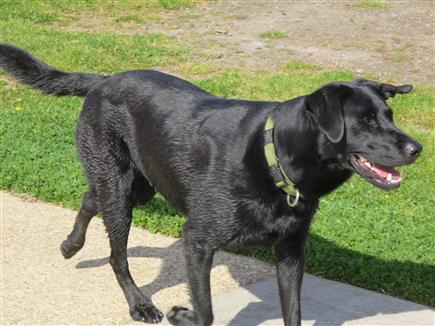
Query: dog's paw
146, 313
69, 249
181, 316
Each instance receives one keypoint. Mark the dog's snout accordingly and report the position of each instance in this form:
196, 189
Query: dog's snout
413, 149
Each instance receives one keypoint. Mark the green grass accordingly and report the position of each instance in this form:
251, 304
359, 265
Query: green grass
130, 18
371, 4
273, 35
63, 13
296, 65
174, 4
86, 50
399, 57
361, 235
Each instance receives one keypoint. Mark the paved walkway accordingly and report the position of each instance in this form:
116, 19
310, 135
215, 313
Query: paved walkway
39, 287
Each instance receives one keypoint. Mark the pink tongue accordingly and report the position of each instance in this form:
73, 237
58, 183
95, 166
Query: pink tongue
383, 171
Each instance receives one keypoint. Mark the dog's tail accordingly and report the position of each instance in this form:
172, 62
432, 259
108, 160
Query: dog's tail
33, 72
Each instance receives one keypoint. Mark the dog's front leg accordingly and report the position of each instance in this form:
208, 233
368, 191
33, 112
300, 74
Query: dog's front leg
199, 258
290, 270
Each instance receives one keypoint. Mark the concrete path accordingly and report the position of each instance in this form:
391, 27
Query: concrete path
39, 287
324, 303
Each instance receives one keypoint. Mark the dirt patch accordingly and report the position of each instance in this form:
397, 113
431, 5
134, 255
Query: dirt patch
393, 43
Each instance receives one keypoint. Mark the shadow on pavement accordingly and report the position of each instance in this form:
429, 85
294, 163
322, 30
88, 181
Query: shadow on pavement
318, 305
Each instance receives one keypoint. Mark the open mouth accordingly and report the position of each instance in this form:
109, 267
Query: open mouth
385, 177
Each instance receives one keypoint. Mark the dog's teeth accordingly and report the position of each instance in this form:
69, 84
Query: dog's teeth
389, 177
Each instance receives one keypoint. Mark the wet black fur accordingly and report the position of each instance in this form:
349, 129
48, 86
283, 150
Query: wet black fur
142, 132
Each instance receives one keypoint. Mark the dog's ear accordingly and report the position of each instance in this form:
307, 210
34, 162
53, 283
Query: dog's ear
388, 90
326, 108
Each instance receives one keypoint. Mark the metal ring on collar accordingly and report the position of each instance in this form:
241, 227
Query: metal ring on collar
295, 201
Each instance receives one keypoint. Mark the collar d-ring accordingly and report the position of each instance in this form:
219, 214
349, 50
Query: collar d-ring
293, 201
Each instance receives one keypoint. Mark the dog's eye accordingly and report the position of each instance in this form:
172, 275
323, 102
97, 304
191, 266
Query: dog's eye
368, 119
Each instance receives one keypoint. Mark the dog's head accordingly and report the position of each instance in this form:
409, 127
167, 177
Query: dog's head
357, 122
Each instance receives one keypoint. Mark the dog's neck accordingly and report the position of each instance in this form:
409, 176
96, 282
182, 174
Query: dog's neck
300, 148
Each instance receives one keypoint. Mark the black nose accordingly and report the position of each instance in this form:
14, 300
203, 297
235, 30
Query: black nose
413, 149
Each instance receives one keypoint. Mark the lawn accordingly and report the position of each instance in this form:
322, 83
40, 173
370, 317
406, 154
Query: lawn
361, 235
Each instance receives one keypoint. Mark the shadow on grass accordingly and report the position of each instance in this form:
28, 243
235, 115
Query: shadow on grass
318, 296
327, 303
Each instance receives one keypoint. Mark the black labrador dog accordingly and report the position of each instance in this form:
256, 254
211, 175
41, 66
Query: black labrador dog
244, 172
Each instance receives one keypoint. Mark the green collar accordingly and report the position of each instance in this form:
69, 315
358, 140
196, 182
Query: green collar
279, 176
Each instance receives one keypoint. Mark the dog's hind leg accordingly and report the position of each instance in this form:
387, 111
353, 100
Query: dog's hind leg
117, 204
76, 239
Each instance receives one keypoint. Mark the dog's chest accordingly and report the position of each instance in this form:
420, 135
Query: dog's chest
267, 227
